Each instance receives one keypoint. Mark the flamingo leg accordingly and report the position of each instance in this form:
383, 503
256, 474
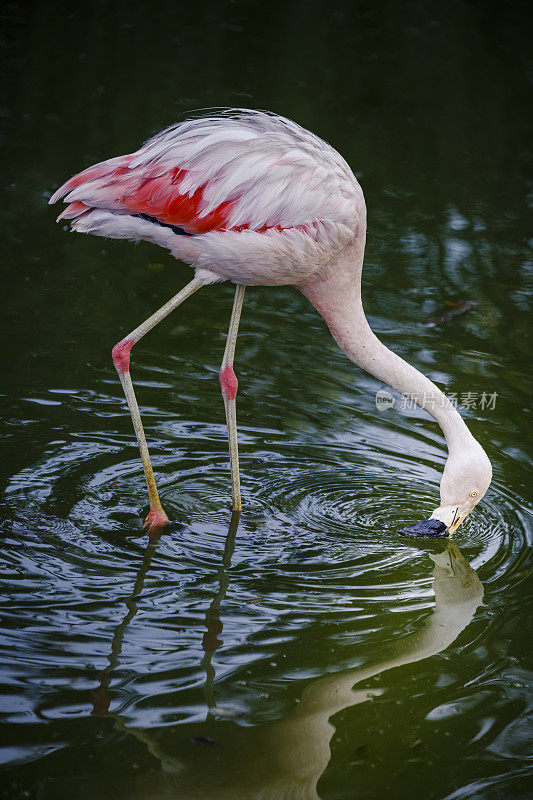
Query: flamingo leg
121, 359
229, 386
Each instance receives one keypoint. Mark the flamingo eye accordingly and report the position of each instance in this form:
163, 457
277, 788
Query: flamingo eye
473, 494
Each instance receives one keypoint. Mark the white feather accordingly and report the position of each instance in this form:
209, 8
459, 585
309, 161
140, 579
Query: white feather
276, 174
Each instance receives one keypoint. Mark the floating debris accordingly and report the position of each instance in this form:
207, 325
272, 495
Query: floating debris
455, 308
203, 740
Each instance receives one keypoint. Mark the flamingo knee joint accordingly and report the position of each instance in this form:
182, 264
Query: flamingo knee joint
121, 355
228, 382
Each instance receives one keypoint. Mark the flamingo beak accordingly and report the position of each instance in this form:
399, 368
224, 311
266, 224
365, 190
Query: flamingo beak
460, 516
427, 529
441, 525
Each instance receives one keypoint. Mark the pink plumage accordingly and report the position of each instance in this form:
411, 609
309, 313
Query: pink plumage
254, 198
241, 195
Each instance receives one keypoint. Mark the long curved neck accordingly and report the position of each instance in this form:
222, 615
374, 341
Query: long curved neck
336, 294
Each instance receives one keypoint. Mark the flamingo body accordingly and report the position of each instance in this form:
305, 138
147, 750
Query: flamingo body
254, 198
244, 195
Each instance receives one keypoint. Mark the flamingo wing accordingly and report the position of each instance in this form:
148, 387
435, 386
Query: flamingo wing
217, 177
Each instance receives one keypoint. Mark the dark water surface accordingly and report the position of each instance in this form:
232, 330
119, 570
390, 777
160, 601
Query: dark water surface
219, 662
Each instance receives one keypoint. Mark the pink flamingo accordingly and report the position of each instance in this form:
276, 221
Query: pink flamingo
253, 198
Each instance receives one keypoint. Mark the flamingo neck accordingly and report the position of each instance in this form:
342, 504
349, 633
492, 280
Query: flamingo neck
336, 294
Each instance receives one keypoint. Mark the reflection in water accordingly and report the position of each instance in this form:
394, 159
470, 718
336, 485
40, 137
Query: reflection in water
101, 699
301, 742
213, 623
285, 759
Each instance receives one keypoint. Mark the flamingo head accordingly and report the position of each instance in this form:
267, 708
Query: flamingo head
466, 478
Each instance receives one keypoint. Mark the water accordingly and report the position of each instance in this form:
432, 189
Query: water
219, 661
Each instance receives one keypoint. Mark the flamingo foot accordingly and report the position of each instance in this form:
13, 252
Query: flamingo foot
155, 520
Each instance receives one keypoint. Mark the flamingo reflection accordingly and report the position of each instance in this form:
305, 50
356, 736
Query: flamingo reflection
285, 759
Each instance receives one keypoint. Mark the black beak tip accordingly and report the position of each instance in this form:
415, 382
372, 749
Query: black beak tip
427, 529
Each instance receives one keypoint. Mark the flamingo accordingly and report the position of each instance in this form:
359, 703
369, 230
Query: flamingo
253, 198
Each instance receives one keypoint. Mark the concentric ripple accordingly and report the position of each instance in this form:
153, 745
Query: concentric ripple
319, 516
214, 623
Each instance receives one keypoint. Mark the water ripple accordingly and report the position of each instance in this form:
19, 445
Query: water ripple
177, 631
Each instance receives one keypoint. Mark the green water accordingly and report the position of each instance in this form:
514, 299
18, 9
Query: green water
218, 662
